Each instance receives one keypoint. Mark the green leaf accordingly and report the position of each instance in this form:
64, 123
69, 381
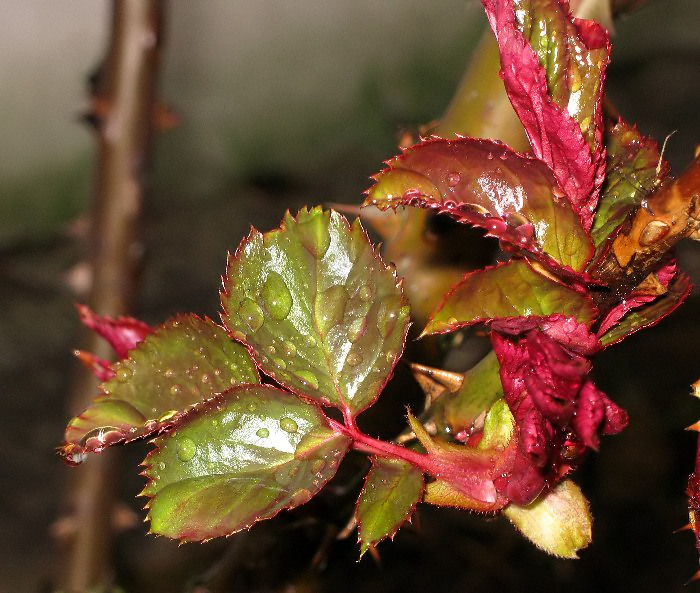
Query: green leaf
632, 162
237, 459
558, 522
512, 289
185, 361
392, 490
459, 410
484, 183
320, 310
649, 315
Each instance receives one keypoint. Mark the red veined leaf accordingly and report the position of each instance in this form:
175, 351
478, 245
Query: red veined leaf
484, 183
647, 315
509, 290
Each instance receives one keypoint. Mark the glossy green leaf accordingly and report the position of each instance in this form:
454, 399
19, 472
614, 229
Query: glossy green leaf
322, 313
558, 522
187, 360
390, 494
237, 459
512, 289
632, 162
482, 182
649, 315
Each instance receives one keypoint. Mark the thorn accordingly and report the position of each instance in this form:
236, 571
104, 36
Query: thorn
436, 382
378, 559
345, 532
695, 577
661, 156
696, 388
686, 527
351, 209
695, 427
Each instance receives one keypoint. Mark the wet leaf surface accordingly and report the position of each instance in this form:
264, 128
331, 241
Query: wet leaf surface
512, 289
558, 522
390, 494
185, 361
236, 459
553, 69
319, 309
484, 183
649, 315
631, 174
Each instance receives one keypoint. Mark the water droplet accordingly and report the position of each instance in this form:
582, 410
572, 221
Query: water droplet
289, 349
263, 433
353, 359
489, 156
318, 466
176, 390
167, 416
453, 179
308, 377
300, 497
283, 476
280, 363
329, 308
314, 235
276, 295
271, 350
288, 425
390, 356
251, 314
388, 315
252, 406
411, 194
170, 373
186, 449
365, 293
161, 465
309, 341
123, 374
357, 329
205, 378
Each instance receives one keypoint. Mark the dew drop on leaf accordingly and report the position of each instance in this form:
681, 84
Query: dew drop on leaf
289, 349
300, 497
329, 308
453, 179
280, 363
365, 293
186, 449
354, 359
176, 390
251, 314
263, 433
276, 295
289, 425
357, 329
308, 377
123, 374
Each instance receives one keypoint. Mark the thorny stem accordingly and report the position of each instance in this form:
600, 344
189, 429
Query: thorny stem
122, 102
668, 215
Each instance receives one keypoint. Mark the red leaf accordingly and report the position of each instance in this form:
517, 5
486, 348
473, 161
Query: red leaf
122, 333
553, 401
549, 101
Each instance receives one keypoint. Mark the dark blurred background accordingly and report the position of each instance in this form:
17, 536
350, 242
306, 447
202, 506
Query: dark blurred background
280, 105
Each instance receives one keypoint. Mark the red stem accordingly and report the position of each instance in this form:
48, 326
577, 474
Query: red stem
372, 446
